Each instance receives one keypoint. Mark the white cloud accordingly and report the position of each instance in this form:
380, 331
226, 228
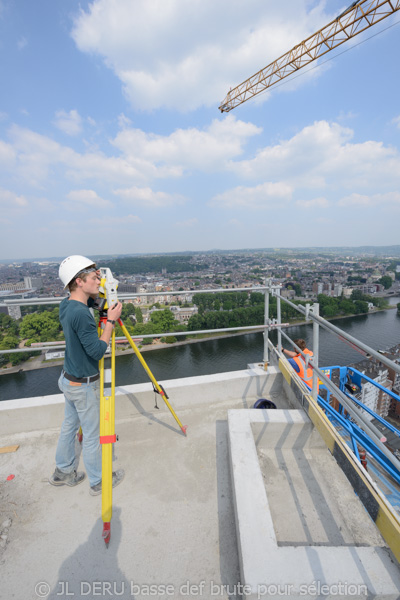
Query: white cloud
203, 149
124, 121
85, 199
264, 196
172, 54
389, 199
138, 156
7, 154
70, 123
317, 203
147, 198
37, 155
9, 201
396, 122
322, 156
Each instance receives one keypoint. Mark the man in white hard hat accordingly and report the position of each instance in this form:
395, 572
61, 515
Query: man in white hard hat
79, 381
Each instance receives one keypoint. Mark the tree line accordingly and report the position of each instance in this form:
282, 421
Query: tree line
216, 311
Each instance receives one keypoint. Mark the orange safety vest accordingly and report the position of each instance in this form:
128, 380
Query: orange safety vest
306, 376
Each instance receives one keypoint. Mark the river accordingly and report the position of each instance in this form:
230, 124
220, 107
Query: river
379, 330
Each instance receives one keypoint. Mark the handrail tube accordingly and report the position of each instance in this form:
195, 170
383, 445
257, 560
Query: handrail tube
374, 414
128, 296
375, 383
339, 332
266, 331
315, 360
357, 434
372, 431
252, 328
335, 390
364, 406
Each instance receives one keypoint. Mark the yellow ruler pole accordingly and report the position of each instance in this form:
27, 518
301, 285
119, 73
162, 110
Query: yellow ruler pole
107, 438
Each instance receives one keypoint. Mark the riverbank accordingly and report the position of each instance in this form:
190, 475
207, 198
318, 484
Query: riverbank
38, 362
217, 355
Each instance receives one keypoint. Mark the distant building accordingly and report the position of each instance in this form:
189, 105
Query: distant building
374, 398
337, 290
347, 291
285, 293
14, 311
13, 287
183, 314
54, 354
33, 283
127, 288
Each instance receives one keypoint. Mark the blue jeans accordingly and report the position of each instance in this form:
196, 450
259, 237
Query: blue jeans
82, 408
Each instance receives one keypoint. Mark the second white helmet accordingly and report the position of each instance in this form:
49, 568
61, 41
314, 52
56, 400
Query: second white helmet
71, 266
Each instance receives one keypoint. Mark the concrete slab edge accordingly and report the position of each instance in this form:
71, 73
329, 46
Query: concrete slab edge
291, 571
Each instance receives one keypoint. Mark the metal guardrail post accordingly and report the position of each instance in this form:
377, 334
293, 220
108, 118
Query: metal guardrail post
278, 315
266, 322
315, 361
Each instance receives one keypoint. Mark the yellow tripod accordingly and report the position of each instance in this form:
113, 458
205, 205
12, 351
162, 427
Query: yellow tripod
108, 297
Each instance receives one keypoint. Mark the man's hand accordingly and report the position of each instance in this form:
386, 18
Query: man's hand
114, 312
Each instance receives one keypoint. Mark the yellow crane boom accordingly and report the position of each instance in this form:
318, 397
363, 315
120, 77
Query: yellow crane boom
354, 20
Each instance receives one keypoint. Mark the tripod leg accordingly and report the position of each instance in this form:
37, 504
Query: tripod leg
150, 374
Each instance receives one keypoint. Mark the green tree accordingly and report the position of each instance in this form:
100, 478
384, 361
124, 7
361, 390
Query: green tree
386, 281
347, 307
180, 327
8, 325
42, 326
127, 310
196, 322
256, 298
169, 340
356, 295
163, 320
144, 328
9, 342
360, 307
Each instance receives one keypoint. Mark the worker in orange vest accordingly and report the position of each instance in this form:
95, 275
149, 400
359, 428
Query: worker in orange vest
297, 360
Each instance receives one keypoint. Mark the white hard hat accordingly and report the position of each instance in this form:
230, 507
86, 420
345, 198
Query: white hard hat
71, 266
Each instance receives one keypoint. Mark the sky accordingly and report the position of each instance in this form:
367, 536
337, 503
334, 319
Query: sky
111, 141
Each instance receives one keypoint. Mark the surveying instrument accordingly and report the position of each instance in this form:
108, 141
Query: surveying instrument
108, 297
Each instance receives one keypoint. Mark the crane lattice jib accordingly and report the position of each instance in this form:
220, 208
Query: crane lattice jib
350, 23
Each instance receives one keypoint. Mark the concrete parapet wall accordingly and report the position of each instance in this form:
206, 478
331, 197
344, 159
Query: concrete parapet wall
46, 412
272, 567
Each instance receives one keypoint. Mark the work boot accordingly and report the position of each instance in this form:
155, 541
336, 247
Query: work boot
71, 479
117, 477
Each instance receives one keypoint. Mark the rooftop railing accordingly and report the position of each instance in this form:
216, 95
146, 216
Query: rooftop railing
310, 312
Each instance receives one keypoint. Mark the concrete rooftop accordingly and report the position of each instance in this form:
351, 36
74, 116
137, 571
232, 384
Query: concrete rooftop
174, 522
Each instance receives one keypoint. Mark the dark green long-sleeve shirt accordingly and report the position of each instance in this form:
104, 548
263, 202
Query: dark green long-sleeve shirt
83, 347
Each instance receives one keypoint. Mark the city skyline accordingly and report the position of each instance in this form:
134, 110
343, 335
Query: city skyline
111, 141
